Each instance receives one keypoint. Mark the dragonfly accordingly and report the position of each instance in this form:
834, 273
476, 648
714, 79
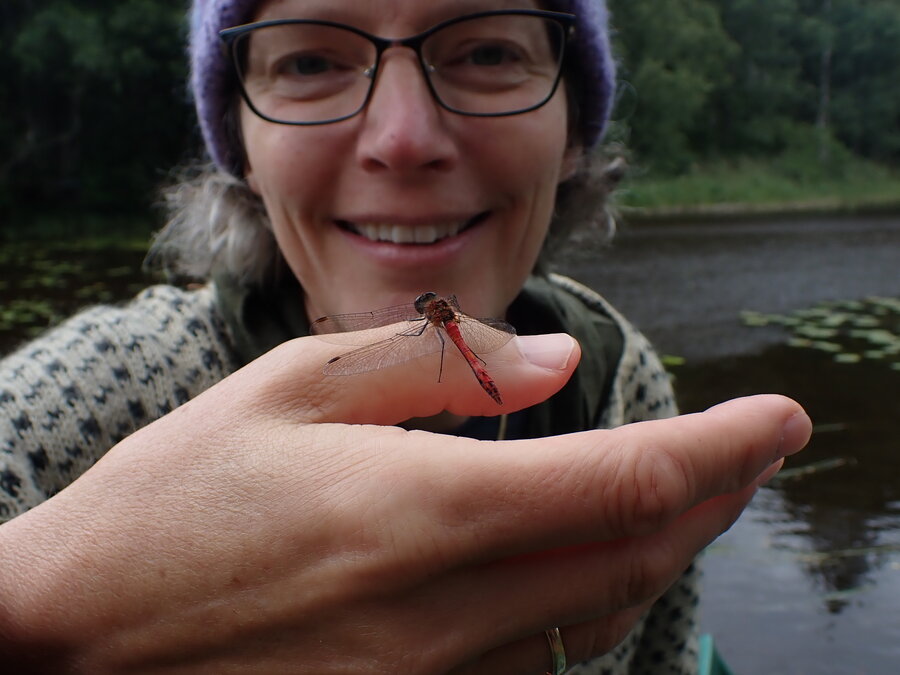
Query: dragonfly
427, 324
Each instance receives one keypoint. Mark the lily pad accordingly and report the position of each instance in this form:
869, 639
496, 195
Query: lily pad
824, 346
850, 330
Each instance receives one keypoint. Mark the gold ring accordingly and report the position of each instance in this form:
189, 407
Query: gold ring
557, 652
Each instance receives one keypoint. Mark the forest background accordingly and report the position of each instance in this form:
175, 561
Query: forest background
721, 101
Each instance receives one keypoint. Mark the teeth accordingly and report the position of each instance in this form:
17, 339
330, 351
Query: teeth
408, 234
426, 234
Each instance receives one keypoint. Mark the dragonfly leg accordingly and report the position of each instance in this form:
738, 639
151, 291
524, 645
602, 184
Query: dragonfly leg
443, 344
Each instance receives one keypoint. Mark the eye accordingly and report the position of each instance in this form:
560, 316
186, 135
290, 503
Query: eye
305, 65
491, 55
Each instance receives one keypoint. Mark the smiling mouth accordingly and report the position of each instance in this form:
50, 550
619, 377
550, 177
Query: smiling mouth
421, 234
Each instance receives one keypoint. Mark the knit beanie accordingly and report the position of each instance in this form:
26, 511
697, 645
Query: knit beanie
213, 86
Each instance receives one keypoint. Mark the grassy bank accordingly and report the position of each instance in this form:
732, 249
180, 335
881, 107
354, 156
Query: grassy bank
82, 230
749, 186
794, 182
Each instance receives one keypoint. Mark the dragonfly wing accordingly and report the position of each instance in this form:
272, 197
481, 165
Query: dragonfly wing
361, 325
371, 336
342, 323
485, 335
398, 349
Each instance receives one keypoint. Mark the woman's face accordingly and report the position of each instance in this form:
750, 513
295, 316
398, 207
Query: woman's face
344, 198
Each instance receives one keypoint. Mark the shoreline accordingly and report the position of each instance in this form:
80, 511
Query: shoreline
745, 210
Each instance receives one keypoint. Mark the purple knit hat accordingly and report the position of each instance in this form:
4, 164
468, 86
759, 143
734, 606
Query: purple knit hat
213, 87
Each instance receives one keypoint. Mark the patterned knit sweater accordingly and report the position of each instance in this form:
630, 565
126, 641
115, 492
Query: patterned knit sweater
70, 395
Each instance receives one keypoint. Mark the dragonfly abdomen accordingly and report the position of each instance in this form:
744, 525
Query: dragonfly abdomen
488, 384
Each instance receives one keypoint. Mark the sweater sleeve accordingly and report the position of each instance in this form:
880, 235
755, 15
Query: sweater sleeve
70, 395
666, 639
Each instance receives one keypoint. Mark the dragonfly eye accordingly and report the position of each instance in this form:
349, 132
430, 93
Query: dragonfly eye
423, 300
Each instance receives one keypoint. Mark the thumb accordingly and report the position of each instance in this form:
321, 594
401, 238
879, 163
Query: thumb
527, 370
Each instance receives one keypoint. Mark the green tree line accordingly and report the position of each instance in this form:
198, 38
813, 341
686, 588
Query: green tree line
94, 109
713, 79
94, 103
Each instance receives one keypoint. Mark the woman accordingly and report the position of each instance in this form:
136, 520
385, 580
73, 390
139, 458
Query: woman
247, 513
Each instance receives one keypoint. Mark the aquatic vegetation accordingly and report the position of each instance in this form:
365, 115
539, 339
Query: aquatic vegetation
851, 331
671, 360
27, 313
44, 282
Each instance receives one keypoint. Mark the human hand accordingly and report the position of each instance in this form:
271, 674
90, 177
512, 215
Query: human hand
251, 530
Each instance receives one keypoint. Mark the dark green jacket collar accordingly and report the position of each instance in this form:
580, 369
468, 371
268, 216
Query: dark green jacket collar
262, 319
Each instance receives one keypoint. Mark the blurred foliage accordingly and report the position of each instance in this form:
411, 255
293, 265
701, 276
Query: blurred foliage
792, 180
94, 102
96, 111
675, 55
727, 79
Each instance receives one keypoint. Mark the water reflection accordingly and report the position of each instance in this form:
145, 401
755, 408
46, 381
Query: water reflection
833, 513
843, 546
807, 581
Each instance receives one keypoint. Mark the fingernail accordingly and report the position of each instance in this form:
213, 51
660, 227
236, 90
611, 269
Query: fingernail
769, 473
795, 434
551, 351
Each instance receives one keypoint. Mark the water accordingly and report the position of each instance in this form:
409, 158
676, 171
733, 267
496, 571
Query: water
808, 581
45, 281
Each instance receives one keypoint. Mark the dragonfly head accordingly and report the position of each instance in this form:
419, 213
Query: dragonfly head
421, 303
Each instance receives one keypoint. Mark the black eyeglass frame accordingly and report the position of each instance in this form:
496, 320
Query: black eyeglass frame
229, 37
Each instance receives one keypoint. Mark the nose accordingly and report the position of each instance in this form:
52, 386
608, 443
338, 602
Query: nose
404, 128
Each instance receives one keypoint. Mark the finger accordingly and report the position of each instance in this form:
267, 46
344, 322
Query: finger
582, 585
578, 584
580, 643
527, 370
499, 499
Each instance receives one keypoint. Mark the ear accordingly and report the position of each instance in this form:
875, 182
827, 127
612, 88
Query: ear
237, 118
250, 177
571, 161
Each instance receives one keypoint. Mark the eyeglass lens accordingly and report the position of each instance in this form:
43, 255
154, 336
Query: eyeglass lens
310, 72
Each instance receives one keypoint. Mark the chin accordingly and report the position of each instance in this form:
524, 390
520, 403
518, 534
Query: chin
404, 287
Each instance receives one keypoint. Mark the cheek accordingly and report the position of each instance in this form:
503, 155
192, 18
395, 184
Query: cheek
277, 154
534, 158
283, 172
270, 158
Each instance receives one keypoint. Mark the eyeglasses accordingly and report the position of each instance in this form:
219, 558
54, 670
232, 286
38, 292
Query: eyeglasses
298, 71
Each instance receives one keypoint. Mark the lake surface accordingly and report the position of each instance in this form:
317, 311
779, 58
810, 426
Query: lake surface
808, 581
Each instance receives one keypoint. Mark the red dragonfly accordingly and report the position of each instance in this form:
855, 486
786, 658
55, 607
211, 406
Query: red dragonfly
427, 323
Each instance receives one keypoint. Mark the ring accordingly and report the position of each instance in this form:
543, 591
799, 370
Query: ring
557, 652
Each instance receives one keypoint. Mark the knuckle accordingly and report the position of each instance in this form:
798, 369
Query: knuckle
649, 573
652, 488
